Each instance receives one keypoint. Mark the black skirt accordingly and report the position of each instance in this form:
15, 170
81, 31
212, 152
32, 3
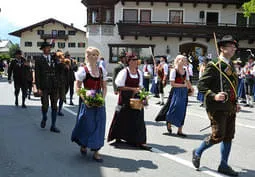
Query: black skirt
128, 124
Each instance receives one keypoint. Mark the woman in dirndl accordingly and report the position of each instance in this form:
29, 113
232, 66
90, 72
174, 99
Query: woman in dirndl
178, 97
128, 123
89, 130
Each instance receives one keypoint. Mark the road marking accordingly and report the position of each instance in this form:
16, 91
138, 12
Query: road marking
186, 163
246, 126
70, 111
171, 157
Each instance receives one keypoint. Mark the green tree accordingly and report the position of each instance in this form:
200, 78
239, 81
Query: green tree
13, 49
249, 8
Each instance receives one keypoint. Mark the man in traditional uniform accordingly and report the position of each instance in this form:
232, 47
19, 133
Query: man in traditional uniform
46, 77
19, 69
116, 70
221, 103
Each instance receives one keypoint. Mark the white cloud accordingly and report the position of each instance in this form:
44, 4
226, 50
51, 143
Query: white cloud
22, 13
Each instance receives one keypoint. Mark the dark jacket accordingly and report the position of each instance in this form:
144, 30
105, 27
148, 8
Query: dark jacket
116, 70
20, 72
47, 76
209, 85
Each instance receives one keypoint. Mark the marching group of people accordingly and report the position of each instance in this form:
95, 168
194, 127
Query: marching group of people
54, 74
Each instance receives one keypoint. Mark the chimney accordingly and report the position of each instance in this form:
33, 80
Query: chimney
71, 24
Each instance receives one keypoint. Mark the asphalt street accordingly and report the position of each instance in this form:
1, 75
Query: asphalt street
26, 150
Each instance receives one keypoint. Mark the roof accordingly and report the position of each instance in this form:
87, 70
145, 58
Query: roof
50, 20
4, 43
112, 2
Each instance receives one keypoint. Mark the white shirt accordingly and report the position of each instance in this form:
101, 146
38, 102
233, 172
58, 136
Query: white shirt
173, 75
149, 68
224, 59
80, 75
165, 66
189, 68
122, 76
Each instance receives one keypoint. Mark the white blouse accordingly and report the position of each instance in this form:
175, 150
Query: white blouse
173, 75
80, 75
122, 76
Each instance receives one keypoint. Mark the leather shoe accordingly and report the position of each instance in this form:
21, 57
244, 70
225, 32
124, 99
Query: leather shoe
195, 159
24, 106
98, 159
43, 123
60, 114
181, 135
55, 130
145, 147
227, 171
169, 129
83, 151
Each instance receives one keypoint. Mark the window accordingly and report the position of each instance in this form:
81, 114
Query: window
252, 20
61, 45
116, 50
28, 44
54, 33
61, 33
39, 44
71, 33
130, 15
212, 18
40, 32
240, 19
145, 16
175, 16
81, 45
94, 16
71, 44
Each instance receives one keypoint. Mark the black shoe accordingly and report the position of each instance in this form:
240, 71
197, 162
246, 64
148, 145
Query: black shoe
202, 105
145, 147
60, 114
24, 106
227, 171
181, 135
251, 106
16, 103
158, 102
71, 103
118, 141
29, 97
168, 129
99, 160
156, 96
83, 151
246, 105
55, 130
43, 123
195, 159
162, 103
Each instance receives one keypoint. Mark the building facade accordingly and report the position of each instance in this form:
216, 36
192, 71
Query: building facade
165, 27
63, 37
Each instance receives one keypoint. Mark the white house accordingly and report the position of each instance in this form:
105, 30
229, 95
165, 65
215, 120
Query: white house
5, 46
62, 36
169, 27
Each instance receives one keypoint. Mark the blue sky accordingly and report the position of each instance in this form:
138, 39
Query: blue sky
17, 14
7, 27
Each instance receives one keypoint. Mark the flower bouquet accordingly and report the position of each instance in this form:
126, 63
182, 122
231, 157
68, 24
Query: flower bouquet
139, 103
91, 98
144, 96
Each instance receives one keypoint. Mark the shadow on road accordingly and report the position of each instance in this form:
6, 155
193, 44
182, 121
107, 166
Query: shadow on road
123, 164
169, 149
189, 136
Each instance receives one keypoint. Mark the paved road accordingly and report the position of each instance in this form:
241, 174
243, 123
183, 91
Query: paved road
26, 150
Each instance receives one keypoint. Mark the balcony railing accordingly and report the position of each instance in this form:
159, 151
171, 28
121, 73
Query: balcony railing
187, 29
56, 36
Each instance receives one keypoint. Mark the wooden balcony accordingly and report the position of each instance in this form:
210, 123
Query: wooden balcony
188, 29
57, 36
